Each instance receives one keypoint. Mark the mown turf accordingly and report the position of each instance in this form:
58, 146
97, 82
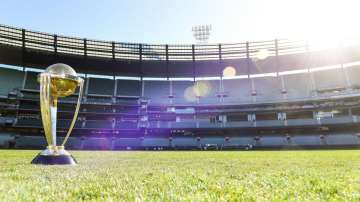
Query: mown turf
184, 176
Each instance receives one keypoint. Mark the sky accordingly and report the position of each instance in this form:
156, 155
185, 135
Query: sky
170, 21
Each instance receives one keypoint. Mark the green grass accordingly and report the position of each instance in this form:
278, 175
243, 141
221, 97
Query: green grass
184, 176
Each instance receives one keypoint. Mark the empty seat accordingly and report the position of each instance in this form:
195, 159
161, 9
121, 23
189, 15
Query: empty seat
241, 141
73, 143
272, 141
156, 142
99, 124
121, 143
305, 140
5, 139
126, 125
212, 140
35, 142
97, 143
184, 142
65, 123
29, 122
342, 139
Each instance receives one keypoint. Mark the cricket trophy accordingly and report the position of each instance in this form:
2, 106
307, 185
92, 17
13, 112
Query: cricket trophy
58, 80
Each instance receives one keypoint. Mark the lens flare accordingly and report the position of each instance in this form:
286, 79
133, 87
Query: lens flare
189, 94
202, 88
229, 71
262, 54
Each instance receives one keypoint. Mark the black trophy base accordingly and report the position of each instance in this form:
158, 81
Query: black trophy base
54, 160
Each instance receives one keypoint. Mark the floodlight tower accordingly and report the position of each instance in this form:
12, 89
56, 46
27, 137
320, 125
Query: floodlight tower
201, 33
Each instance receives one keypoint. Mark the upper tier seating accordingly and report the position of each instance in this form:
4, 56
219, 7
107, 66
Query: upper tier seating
267, 89
213, 90
10, 79
179, 91
286, 86
31, 81
157, 91
128, 87
101, 86
330, 79
354, 76
238, 90
297, 85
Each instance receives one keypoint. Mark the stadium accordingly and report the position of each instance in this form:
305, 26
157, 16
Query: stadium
261, 120
172, 97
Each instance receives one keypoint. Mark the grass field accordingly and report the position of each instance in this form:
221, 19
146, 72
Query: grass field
184, 176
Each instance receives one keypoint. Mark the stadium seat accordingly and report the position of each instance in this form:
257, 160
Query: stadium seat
305, 140
156, 142
272, 141
30, 142
341, 139
123, 143
91, 143
98, 124
184, 142
5, 139
212, 140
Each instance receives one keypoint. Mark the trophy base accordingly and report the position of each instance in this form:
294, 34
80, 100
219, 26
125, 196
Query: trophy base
59, 156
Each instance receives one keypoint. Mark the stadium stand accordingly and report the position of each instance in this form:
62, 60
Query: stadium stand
101, 86
285, 94
267, 89
297, 86
157, 91
31, 81
238, 90
128, 88
10, 79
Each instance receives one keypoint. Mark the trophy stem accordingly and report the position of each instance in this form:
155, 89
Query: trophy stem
53, 114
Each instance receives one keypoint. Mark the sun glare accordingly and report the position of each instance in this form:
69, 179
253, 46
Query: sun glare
262, 54
229, 71
324, 24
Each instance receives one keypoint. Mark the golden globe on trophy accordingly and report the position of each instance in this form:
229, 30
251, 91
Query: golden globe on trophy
58, 80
